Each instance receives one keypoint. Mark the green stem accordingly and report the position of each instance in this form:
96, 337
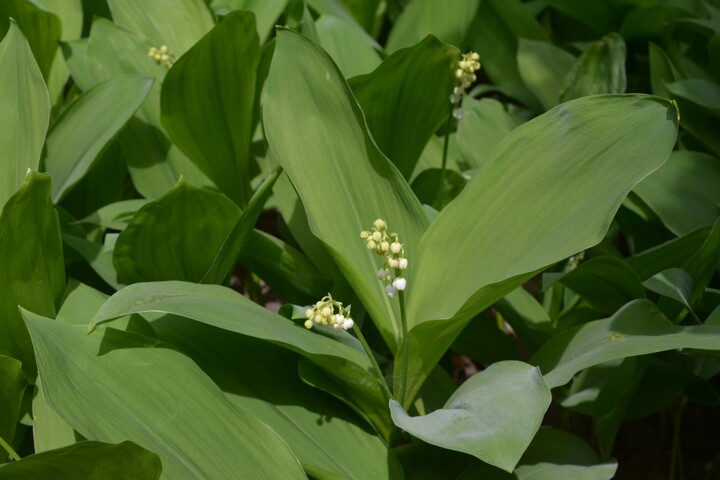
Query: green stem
443, 168
376, 367
400, 390
6, 446
676, 459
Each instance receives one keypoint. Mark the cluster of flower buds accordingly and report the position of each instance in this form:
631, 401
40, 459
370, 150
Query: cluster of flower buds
387, 245
323, 313
162, 56
465, 75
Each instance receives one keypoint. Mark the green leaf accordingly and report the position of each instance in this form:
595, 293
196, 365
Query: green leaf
600, 69
39, 25
348, 48
484, 123
155, 164
638, 328
494, 415
179, 27
207, 103
699, 91
23, 122
115, 215
224, 260
607, 283
12, 389
100, 384
551, 190
49, 430
33, 273
266, 12
596, 14
673, 283
683, 192
437, 188
494, 35
84, 130
175, 237
447, 21
222, 307
543, 67
669, 254
331, 148
91, 460
400, 125
264, 381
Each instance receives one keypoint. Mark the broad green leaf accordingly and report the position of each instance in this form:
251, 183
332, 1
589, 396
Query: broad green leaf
98, 256
223, 308
23, 122
33, 272
551, 190
49, 430
228, 252
352, 54
115, 215
638, 328
494, 415
648, 21
596, 14
484, 123
400, 125
175, 237
87, 460
287, 271
437, 188
207, 103
339, 9
342, 179
83, 131
12, 389
607, 283
697, 90
41, 28
368, 13
447, 21
494, 35
553, 454
600, 69
260, 378
667, 255
683, 192
100, 384
673, 283
178, 27
155, 164
70, 13
266, 12
543, 67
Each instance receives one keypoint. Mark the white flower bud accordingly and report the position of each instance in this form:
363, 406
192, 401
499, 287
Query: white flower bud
308, 324
379, 224
371, 245
309, 313
320, 320
364, 234
377, 236
393, 262
391, 291
383, 274
337, 327
339, 319
326, 312
348, 324
399, 283
402, 263
395, 248
384, 246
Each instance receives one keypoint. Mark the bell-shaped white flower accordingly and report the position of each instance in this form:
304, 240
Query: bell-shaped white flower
391, 291
399, 284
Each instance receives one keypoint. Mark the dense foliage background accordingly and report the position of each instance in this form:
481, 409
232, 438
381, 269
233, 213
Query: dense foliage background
182, 179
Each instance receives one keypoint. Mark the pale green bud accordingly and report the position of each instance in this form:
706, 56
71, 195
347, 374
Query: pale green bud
379, 224
384, 247
395, 248
308, 324
309, 313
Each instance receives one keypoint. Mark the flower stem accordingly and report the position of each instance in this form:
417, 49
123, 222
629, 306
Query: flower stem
401, 387
6, 446
376, 367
